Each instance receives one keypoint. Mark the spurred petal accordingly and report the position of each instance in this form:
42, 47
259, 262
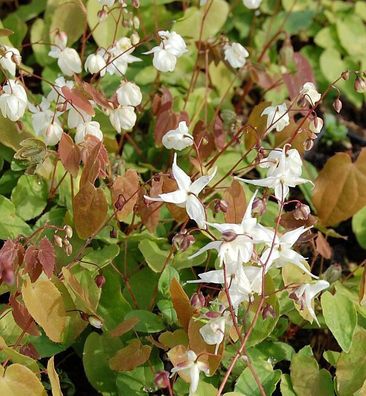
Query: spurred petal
290, 237
211, 245
248, 211
199, 184
176, 197
182, 179
196, 211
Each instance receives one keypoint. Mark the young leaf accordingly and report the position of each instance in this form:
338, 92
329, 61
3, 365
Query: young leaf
235, 198
181, 303
70, 155
133, 355
77, 99
47, 256
124, 327
53, 377
125, 193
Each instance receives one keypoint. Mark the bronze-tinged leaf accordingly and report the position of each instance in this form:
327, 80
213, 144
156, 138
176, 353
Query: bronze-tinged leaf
150, 212
70, 155
177, 356
257, 125
96, 95
203, 139
198, 345
47, 256
5, 32
181, 303
90, 154
125, 190
32, 265
340, 189
289, 222
18, 380
91, 166
53, 377
171, 339
323, 247
133, 355
90, 210
124, 327
302, 131
219, 133
165, 122
235, 198
22, 317
76, 98
45, 304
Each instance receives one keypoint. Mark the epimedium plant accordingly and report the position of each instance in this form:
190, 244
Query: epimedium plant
159, 218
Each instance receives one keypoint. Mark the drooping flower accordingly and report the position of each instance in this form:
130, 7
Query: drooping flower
56, 88
88, 128
316, 125
235, 54
237, 240
96, 63
307, 292
120, 56
213, 332
277, 117
68, 59
252, 4
42, 116
284, 171
310, 93
280, 252
53, 133
129, 94
13, 100
186, 195
172, 46
179, 138
9, 59
123, 118
192, 367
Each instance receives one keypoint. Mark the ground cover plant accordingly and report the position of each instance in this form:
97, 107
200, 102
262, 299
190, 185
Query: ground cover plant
182, 197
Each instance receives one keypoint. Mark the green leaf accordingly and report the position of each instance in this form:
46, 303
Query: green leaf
154, 256
268, 377
11, 226
100, 258
306, 377
10, 135
286, 386
331, 357
341, 318
190, 24
352, 34
30, 196
331, 64
360, 9
359, 227
165, 279
149, 322
351, 366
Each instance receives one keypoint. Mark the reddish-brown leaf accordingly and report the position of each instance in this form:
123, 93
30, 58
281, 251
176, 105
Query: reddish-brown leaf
133, 355
94, 155
70, 155
150, 212
340, 189
76, 98
22, 317
125, 190
165, 121
257, 125
181, 303
163, 102
219, 133
204, 140
90, 210
47, 256
235, 198
11, 255
124, 327
323, 247
32, 265
96, 95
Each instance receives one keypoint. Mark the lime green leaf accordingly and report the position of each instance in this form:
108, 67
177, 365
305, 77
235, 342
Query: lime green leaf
154, 256
359, 227
149, 322
11, 225
341, 318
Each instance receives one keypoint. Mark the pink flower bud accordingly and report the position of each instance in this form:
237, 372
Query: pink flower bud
337, 105
221, 206
301, 212
259, 206
68, 231
113, 233
228, 236
58, 240
102, 15
100, 280
360, 84
162, 379
120, 203
345, 75
198, 300
182, 241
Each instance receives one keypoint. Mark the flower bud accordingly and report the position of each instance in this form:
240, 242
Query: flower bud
113, 233
136, 22
360, 84
301, 212
68, 231
221, 206
95, 321
308, 144
136, 3
337, 105
68, 249
228, 236
58, 240
100, 280
259, 206
268, 312
162, 379
120, 203
129, 94
182, 241
345, 75
53, 134
316, 125
102, 15
61, 107
135, 38
333, 273
198, 300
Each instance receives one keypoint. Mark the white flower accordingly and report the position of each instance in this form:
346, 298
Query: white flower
178, 139
53, 134
242, 281
213, 332
123, 118
13, 100
56, 88
237, 240
120, 57
192, 367
172, 46
307, 292
252, 4
88, 128
235, 54
96, 63
283, 173
281, 253
309, 92
42, 116
316, 126
76, 117
186, 195
277, 117
129, 94
9, 59
68, 59
108, 3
